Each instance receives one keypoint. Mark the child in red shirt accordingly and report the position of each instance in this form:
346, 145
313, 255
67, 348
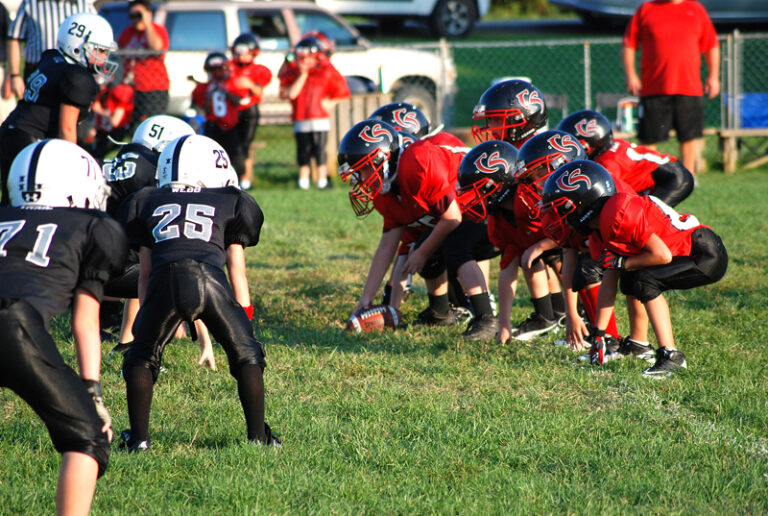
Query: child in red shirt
112, 111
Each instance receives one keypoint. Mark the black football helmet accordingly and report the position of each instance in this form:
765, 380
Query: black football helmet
486, 178
327, 45
246, 43
309, 45
591, 128
217, 66
574, 195
368, 156
403, 117
513, 111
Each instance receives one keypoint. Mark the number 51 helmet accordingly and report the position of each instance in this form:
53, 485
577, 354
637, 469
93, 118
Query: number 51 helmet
58, 174
486, 178
87, 40
155, 132
195, 161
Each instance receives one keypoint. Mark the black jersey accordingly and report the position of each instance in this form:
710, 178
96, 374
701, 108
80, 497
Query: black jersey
191, 225
46, 254
132, 169
55, 82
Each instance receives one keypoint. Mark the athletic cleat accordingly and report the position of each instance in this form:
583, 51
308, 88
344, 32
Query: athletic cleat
493, 303
667, 362
431, 318
483, 327
532, 327
610, 352
463, 314
272, 441
560, 318
120, 348
132, 447
631, 348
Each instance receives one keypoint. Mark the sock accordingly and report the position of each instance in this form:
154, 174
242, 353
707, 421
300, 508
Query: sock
322, 182
543, 307
439, 304
250, 389
304, 183
138, 386
481, 304
558, 302
588, 297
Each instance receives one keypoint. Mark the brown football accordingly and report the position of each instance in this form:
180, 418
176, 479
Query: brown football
374, 318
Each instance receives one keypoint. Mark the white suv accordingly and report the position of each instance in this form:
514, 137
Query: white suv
196, 28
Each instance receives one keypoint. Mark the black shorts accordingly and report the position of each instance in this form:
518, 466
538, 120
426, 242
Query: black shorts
673, 183
247, 122
706, 264
467, 242
588, 272
660, 113
33, 368
12, 142
311, 145
185, 291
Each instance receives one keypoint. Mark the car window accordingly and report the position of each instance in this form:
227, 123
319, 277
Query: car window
196, 30
269, 26
316, 20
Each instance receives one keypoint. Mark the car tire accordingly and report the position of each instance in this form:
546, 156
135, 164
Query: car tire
453, 18
420, 97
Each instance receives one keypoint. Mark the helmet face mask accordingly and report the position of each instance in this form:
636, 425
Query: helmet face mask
485, 178
478, 200
87, 40
513, 111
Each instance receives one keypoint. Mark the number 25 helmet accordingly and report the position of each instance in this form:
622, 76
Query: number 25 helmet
155, 132
403, 117
513, 111
591, 128
575, 193
486, 178
58, 174
87, 39
368, 156
195, 161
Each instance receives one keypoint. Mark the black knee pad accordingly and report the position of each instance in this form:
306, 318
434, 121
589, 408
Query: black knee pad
673, 183
552, 257
434, 267
588, 272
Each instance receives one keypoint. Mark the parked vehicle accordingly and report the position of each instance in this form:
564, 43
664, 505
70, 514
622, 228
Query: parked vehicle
197, 27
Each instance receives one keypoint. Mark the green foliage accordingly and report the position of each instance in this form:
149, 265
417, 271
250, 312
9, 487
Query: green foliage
420, 422
512, 9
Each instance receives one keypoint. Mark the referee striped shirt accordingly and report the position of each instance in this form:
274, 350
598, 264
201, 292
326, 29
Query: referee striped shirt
37, 23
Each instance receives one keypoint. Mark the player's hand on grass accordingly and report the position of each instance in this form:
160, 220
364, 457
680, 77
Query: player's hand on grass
94, 389
207, 357
504, 335
576, 333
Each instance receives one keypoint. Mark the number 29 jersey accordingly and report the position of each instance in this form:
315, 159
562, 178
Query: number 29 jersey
196, 225
48, 253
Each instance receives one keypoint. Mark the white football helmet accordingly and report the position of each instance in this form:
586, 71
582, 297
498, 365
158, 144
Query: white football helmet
82, 36
193, 162
156, 131
58, 174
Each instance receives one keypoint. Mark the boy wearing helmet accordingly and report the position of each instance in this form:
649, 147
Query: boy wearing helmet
314, 86
59, 93
187, 230
250, 78
58, 250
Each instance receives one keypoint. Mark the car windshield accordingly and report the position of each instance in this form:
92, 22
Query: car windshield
316, 20
196, 30
268, 25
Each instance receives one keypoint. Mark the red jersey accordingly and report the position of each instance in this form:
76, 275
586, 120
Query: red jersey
633, 164
514, 237
672, 37
258, 74
628, 220
220, 109
448, 140
149, 72
426, 179
121, 96
323, 82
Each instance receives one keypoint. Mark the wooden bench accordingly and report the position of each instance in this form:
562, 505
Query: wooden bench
729, 139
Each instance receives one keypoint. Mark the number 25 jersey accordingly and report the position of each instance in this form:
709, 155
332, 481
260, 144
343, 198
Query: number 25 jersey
191, 225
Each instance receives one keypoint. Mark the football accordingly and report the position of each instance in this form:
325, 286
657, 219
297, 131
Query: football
374, 318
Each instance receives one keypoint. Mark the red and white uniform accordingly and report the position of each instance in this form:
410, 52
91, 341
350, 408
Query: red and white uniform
111, 99
258, 74
220, 109
323, 82
628, 220
633, 164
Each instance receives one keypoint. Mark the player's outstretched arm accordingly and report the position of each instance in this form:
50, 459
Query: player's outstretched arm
575, 329
382, 258
507, 288
237, 277
449, 221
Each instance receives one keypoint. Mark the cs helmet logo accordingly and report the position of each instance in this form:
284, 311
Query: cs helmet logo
406, 118
587, 127
490, 164
374, 133
569, 181
564, 143
530, 99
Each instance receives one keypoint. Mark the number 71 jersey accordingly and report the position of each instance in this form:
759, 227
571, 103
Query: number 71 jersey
197, 225
48, 253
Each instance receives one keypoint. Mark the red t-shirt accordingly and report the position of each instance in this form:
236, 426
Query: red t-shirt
220, 110
121, 96
149, 71
671, 38
628, 220
323, 82
258, 74
633, 164
426, 177
514, 238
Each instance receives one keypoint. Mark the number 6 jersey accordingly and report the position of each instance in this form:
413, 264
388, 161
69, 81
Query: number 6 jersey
198, 225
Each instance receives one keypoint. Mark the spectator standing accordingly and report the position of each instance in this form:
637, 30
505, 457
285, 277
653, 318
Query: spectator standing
7, 102
672, 34
37, 23
150, 77
313, 86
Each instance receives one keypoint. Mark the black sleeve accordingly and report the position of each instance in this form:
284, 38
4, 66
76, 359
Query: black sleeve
104, 256
78, 88
128, 215
245, 228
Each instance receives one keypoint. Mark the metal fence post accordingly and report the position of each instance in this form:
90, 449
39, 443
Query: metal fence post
587, 76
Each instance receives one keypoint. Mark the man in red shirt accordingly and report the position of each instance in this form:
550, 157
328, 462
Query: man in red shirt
313, 86
147, 67
641, 241
672, 34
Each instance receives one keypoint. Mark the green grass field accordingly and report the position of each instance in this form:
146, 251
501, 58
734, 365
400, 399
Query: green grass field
420, 422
